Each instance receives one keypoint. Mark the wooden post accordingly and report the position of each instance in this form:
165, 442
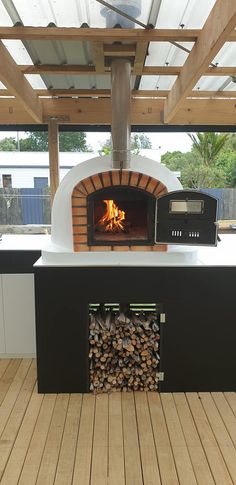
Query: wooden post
53, 149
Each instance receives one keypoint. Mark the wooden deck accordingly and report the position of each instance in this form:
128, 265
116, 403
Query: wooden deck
117, 439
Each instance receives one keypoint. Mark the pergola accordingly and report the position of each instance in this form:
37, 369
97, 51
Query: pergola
183, 63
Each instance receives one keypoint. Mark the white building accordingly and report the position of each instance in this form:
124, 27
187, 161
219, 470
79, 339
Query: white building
31, 169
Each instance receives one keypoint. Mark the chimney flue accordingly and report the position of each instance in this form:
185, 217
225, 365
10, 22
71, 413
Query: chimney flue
120, 102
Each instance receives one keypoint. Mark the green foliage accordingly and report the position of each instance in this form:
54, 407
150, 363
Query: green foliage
8, 144
138, 142
208, 145
37, 141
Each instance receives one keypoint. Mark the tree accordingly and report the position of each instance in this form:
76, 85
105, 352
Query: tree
208, 145
8, 144
194, 173
137, 143
37, 141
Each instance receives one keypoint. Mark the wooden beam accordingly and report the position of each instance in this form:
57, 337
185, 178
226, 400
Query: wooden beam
138, 68
144, 111
119, 50
14, 80
96, 34
106, 93
217, 28
53, 151
98, 56
140, 56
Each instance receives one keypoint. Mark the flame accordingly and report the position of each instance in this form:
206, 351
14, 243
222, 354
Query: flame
113, 217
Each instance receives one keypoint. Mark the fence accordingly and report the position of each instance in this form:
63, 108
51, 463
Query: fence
32, 206
25, 206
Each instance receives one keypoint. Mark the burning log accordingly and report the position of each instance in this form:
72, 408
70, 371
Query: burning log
123, 351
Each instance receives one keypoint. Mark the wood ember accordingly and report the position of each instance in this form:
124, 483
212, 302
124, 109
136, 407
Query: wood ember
123, 351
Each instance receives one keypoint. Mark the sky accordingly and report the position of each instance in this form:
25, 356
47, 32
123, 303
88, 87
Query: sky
160, 141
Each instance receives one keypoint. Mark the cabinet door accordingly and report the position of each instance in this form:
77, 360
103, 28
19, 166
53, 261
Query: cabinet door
2, 335
19, 314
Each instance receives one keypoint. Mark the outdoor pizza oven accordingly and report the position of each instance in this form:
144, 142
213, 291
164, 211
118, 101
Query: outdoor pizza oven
111, 203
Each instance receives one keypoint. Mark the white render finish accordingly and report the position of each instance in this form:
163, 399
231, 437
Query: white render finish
17, 321
62, 238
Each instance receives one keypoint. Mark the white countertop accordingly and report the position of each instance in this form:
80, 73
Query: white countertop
222, 255
24, 242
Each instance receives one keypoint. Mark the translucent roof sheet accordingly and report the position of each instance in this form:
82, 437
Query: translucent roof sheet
164, 14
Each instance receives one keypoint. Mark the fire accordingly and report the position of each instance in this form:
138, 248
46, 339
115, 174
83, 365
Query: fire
113, 217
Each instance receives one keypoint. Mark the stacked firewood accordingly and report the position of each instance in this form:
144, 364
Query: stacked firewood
123, 351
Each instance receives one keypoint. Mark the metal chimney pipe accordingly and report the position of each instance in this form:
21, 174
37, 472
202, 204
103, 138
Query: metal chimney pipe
120, 108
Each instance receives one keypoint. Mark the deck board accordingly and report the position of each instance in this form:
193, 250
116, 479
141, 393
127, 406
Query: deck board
116, 439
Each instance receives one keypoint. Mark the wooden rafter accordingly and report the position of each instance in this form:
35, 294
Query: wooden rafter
217, 28
104, 35
140, 56
138, 68
106, 93
14, 80
98, 55
146, 112
98, 35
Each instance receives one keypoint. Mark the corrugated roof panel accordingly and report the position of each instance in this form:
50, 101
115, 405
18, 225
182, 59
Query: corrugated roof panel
227, 55
5, 18
42, 12
18, 51
190, 13
36, 81
211, 83
77, 82
161, 53
59, 52
157, 82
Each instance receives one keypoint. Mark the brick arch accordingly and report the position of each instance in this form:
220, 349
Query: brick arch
102, 180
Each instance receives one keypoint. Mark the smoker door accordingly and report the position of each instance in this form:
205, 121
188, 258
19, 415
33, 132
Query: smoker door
186, 217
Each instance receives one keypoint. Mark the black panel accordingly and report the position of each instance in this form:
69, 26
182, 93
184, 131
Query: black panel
18, 261
197, 342
186, 217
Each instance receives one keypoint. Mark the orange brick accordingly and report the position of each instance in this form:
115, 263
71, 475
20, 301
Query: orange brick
125, 174
121, 248
79, 220
159, 188
97, 182
152, 184
87, 183
82, 211
100, 248
143, 182
141, 248
81, 202
81, 247
81, 238
134, 179
75, 211
79, 230
160, 247
163, 192
115, 176
82, 221
106, 179
80, 189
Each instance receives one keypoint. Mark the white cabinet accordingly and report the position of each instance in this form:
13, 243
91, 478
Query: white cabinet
18, 314
2, 334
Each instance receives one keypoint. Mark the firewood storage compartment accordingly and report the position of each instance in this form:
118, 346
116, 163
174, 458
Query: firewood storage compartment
124, 347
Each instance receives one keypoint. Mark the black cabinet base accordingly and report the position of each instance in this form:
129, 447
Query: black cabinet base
197, 341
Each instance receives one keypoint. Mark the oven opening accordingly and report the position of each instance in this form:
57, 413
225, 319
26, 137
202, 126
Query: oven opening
121, 215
